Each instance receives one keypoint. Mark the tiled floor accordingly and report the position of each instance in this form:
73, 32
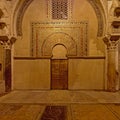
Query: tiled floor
72, 112
60, 105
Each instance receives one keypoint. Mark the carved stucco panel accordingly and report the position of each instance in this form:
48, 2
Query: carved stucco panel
59, 38
45, 35
95, 4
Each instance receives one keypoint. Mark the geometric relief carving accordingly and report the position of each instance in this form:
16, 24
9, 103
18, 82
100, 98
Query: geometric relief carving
95, 4
20, 14
100, 15
72, 35
59, 38
59, 9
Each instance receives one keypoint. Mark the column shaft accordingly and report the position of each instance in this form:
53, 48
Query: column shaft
112, 61
112, 73
8, 73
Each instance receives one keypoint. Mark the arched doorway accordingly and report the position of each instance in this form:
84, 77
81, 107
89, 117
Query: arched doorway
59, 68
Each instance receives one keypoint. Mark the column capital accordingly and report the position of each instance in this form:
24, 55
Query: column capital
111, 41
6, 42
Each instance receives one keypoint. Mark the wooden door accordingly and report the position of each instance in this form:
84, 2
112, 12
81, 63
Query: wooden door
59, 74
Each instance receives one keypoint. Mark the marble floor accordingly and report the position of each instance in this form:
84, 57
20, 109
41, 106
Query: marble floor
60, 105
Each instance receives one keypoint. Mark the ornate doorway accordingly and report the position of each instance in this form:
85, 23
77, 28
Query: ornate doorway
59, 68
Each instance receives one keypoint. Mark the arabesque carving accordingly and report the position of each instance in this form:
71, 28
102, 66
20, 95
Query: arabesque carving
111, 41
73, 35
59, 38
6, 42
100, 15
95, 4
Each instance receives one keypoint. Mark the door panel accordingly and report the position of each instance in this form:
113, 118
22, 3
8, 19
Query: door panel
59, 74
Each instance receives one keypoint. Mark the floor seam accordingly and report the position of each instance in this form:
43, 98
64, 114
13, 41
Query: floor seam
113, 112
40, 113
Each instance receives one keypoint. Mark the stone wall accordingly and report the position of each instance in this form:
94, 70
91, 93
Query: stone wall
31, 74
87, 73
35, 74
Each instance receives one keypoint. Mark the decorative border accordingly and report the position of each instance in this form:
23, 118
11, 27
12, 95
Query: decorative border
99, 15
20, 15
74, 35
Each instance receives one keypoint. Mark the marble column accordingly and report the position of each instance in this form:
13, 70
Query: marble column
7, 44
112, 60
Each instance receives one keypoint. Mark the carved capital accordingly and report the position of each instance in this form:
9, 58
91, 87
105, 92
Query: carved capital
111, 41
6, 42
